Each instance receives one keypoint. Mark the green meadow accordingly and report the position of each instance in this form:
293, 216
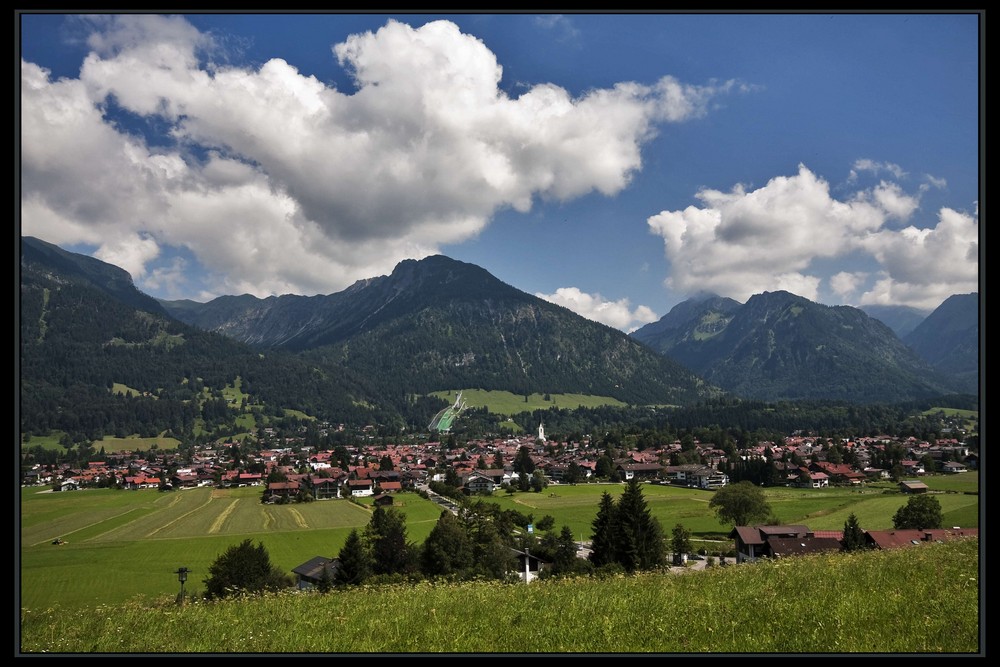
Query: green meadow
122, 544
507, 403
119, 544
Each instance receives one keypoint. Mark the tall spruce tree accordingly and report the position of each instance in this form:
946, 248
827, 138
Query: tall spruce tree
447, 551
355, 561
640, 536
854, 537
605, 532
386, 537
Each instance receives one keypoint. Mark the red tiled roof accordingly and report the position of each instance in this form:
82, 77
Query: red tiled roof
832, 534
890, 539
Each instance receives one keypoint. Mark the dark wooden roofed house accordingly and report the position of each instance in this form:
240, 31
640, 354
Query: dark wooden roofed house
639, 470
749, 543
912, 486
752, 542
277, 490
187, 480
891, 539
361, 487
325, 487
782, 547
310, 573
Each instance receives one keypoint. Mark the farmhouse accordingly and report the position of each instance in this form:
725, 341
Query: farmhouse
639, 471
361, 487
312, 572
753, 542
478, 483
893, 539
694, 474
912, 486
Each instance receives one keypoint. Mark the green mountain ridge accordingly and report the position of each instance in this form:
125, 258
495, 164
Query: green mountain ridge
362, 356
438, 323
80, 332
780, 346
949, 338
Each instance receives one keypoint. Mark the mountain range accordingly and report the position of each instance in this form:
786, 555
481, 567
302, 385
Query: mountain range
437, 324
780, 346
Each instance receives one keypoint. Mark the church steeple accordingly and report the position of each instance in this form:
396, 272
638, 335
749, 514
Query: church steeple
541, 431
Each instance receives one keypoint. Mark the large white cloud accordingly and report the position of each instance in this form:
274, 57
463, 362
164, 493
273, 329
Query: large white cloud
306, 188
923, 267
618, 314
741, 243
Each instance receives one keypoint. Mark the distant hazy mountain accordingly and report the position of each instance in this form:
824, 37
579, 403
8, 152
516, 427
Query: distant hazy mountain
948, 339
438, 323
901, 319
782, 346
699, 318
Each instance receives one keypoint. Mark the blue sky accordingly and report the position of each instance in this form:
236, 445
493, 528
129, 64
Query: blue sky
614, 164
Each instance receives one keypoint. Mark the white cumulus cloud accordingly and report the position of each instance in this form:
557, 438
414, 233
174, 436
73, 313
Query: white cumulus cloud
875, 167
281, 183
618, 314
845, 283
741, 243
923, 267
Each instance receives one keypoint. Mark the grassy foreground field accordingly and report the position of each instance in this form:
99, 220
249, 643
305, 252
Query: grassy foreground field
120, 544
922, 600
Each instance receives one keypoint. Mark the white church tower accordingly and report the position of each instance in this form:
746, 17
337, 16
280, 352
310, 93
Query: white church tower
541, 431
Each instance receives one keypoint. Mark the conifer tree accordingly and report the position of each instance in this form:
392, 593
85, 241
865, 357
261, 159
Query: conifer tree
854, 537
604, 537
386, 537
448, 549
355, 561
640, 536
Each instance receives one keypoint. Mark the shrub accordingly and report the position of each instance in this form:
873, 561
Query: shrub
244, 569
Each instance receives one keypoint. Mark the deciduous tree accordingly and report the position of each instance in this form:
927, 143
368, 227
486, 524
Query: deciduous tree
740, 504
680, 540
448, 549
243, 569
920, 511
